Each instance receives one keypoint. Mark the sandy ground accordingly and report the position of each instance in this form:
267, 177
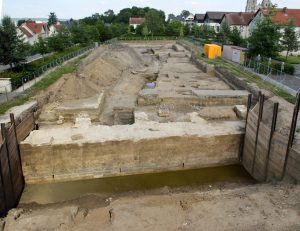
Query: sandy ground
257, 207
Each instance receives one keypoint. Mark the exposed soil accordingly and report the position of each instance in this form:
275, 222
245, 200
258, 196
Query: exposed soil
258, 207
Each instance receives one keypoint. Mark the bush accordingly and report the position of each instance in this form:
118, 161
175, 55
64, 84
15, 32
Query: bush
288, 68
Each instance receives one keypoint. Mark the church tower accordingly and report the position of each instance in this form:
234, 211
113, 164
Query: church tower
251, 6
266, 4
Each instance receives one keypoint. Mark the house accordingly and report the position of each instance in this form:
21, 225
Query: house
214, 19
136, 22
178, 18
53, 29
281, 16
239, 20
199, 19
30, 31
189, 20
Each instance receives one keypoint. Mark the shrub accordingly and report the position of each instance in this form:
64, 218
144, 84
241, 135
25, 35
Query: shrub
288, 68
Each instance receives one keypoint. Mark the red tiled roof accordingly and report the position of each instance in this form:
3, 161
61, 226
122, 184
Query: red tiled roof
36, 28
58, 26
283, 15
26, 32
136, 20
242, 18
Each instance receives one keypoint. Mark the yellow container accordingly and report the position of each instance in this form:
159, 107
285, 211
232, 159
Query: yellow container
212, 51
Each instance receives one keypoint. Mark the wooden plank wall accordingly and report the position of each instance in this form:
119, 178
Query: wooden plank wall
268, 155
11, 175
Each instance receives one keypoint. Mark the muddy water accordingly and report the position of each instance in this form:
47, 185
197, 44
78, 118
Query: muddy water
106, 187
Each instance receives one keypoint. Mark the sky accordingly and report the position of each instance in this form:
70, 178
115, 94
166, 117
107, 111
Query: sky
66, 9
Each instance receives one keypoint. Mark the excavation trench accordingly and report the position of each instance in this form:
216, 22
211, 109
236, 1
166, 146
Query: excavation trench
135, 117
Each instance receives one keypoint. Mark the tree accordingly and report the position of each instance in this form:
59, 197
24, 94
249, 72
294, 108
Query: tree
235, 37
145, 31
264, 39
12, 48
109, 16
185, 13
289, 39
41, 46
52, 19
181, 32
173, 28
20, 22
155, 22
225, 32
196, 31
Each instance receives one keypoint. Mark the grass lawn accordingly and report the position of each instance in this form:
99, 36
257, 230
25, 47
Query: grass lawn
243, 74
290, 59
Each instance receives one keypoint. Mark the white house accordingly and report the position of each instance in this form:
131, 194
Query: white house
214, 19
53, 29
31, 31
189, 20
281, 16
135, 22
239, 20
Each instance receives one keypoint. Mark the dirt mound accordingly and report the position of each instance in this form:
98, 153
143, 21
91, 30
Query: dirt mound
101, 73
71, 87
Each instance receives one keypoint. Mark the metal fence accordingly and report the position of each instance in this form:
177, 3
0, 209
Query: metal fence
19, 85
277, 77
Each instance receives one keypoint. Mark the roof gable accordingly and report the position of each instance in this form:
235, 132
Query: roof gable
36, 28
136, 20
241, 18
283, 15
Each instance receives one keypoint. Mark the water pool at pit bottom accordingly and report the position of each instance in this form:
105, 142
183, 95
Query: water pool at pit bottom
177, 181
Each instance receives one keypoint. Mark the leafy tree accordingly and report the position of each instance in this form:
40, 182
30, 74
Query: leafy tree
52, 19
41, 46
60, 41
145, 31
264, 39
187, 29
170, 16
235, 37
109, 16
20, 22
196, 31
155, 22
225, 32
173, 28
12, 48
185, 13
206, 32
80, 34
181, 32
289, 39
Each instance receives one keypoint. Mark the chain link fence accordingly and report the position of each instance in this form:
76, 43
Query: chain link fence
287, 82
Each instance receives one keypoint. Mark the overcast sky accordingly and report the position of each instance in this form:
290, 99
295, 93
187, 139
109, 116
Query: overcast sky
81, 8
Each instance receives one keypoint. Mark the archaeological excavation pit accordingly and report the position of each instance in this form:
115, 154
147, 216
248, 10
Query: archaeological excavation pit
142, 118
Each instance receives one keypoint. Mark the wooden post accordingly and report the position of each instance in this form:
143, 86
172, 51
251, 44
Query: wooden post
13, 123
259, 118
248, 110
273, 128
2, 183
292, 133
4, 134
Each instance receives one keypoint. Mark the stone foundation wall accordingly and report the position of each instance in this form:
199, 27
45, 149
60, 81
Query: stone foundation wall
114, 157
